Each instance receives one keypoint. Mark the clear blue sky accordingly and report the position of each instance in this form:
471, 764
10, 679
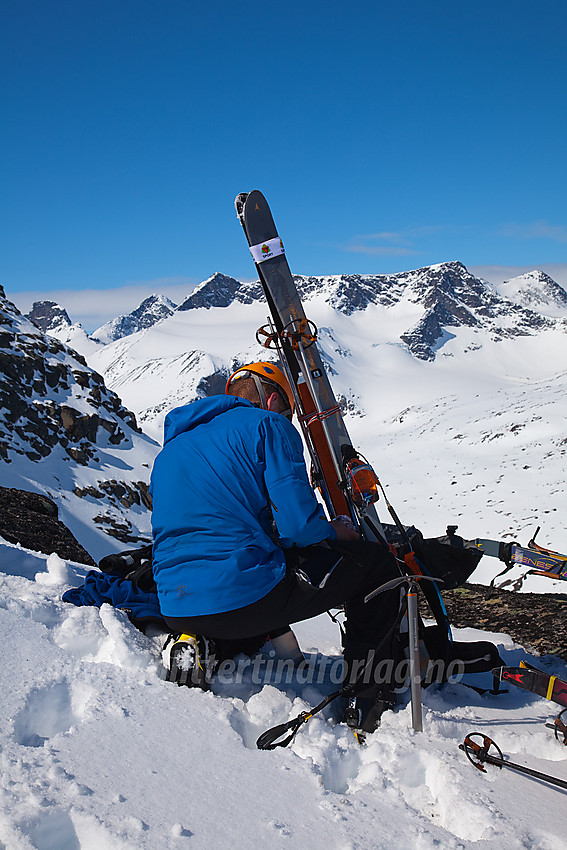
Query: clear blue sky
386, 136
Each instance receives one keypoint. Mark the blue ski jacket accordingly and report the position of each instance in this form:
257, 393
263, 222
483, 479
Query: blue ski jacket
225, 470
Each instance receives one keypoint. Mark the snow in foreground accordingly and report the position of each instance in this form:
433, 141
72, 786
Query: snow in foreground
97, 751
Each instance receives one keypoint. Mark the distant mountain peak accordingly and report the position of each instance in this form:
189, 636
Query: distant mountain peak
151, 310
536, 290
48, 315
220, 290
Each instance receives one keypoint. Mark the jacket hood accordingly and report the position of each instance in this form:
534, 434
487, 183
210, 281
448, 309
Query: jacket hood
199, 412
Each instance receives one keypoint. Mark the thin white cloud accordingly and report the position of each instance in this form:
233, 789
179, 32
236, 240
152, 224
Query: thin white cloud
386, 243
93, 307
535, 230
401, 243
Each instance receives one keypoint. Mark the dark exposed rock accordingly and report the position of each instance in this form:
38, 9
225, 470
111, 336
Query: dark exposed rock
120, 492
43, 390
422, 339
120, 530
212, 385
537, 621
220, 291
31, 520
47, 315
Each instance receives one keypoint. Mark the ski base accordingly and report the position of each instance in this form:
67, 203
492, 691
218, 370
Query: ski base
532, 679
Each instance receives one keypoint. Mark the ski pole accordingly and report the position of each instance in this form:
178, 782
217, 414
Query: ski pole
479, 755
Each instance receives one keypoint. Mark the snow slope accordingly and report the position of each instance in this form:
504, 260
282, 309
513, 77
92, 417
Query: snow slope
99, 753
64, 434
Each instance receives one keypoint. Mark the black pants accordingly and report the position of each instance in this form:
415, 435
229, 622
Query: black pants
319, 578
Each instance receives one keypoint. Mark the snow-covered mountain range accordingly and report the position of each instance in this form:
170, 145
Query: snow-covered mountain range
453, 388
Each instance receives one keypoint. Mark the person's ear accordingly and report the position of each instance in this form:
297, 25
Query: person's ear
271, 401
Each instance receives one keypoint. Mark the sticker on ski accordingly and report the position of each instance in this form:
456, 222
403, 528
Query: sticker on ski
266, 250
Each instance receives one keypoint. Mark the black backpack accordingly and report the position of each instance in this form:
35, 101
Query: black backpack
451, 559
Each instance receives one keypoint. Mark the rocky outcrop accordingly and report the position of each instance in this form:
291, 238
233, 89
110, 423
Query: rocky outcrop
47, 315
119, 492
31, 520
50, 397
63, 432
537, 621
220, 291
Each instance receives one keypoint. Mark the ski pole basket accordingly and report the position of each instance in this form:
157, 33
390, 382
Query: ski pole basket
479, 754
559, 726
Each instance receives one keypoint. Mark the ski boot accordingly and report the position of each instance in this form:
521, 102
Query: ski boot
364, 714
189, 660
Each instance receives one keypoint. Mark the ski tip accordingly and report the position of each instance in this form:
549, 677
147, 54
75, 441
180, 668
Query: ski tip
239, 202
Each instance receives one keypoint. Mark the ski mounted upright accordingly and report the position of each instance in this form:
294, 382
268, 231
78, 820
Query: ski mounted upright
347, 483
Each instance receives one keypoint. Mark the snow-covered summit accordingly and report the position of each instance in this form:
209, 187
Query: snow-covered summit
537, 291
151, 310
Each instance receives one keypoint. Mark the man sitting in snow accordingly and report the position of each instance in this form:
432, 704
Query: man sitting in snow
241, 545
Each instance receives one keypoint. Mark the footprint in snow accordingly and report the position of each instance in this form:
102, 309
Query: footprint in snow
53, 830
47, 712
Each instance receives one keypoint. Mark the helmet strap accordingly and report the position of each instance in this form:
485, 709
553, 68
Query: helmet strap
260, 387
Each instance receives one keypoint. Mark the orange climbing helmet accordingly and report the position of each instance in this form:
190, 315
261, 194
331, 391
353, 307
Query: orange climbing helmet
265, 373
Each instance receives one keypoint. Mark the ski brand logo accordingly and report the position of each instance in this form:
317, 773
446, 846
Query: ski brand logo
536, 561
266, 250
